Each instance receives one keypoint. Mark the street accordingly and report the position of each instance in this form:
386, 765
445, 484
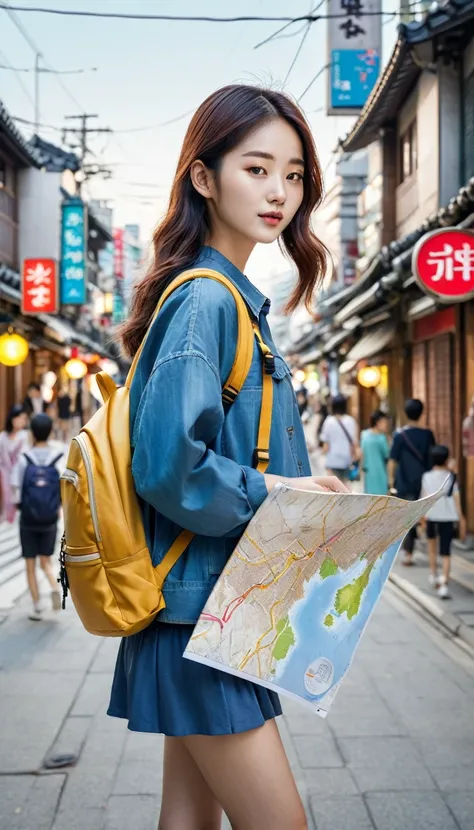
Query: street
396, 751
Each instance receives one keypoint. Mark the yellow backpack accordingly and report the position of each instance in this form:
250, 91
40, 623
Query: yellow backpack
105, 562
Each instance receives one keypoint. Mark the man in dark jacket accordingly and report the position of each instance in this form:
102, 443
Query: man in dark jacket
409, 459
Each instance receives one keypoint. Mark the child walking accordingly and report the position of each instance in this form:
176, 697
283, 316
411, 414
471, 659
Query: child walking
441, 518
39, 499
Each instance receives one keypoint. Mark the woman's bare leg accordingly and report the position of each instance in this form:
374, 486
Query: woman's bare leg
32, 581
187, 802
250, 776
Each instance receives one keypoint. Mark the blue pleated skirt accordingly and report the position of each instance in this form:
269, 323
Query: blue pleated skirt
157, 690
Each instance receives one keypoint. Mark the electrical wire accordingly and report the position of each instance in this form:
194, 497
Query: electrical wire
24, 88
309, 18
50, 71
297, 53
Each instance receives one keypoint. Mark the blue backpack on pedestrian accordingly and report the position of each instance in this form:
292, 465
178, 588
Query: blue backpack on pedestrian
41, 494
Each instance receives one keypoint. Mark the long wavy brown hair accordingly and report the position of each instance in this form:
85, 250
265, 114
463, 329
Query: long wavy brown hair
222, 121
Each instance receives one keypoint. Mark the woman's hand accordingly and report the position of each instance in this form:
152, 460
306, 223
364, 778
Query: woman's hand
321, 484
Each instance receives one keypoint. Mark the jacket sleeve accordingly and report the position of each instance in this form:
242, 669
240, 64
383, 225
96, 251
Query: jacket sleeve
174, 466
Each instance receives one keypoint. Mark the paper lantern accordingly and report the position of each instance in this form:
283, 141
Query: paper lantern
369, 376
13, 349
75, 367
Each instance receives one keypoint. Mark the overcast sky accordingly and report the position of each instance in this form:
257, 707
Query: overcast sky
151, 72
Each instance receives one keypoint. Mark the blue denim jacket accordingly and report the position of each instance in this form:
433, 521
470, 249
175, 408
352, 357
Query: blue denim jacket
192, 465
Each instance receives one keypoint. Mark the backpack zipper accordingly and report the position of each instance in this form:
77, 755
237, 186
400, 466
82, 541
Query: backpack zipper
82, 444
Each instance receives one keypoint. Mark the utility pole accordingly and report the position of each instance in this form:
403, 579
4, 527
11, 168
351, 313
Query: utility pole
38, 57
81, 134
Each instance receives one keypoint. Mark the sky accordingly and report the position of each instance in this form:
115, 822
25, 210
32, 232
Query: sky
150, 72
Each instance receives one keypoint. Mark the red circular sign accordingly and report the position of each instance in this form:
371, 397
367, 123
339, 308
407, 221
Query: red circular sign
443, 264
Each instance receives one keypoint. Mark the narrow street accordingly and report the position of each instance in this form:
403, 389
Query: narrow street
395, 753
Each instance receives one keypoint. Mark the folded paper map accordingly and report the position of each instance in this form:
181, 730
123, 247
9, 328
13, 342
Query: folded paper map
292, 602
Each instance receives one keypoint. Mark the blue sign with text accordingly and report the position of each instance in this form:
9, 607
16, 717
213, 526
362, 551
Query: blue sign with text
73, 254
354, 73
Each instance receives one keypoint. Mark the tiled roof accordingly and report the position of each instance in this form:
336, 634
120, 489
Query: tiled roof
29, 155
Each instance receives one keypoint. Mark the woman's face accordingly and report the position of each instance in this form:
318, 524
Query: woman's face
20, 422
259, 187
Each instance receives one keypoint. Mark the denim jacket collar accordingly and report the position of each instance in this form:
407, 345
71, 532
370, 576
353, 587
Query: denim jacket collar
255, 300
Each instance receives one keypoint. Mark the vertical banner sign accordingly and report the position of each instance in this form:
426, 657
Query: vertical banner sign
119, 253
73, 254
354, 46
39, 286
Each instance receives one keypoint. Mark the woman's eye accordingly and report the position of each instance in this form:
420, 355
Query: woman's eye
296, 177
257, 171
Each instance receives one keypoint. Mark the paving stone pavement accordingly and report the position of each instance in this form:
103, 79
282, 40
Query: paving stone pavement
395, 753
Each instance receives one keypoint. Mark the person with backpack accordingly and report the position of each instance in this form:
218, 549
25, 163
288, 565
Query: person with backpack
38, 494
410, 458
214, 425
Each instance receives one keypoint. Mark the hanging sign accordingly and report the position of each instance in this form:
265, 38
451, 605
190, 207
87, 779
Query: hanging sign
119, 264
354, 46
73, 254
39, 286
443, 264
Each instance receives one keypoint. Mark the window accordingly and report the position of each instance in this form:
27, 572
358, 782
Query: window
408, 160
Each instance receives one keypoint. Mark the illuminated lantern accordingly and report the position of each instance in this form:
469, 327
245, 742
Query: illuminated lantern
75, 367
300, 375
13, 348
369, 377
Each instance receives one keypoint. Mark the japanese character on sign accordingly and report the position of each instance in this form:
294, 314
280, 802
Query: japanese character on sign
41, 296
73, 239
443, 264
74, 256
74, 273
39, 274
352, 7
73, 220
352, 29
39, 286
446, 260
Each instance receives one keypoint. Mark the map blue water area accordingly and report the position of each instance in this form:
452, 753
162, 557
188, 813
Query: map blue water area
337, 642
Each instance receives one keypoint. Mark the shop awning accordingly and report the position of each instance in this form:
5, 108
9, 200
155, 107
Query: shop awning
421, 307
346, 367
357, 305
335, 341
310, 357
64, 333
372, 343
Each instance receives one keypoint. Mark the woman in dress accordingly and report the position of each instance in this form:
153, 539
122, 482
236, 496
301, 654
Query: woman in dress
248, 172
13, 440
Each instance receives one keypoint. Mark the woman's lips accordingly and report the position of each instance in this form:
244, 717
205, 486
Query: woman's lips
271, 218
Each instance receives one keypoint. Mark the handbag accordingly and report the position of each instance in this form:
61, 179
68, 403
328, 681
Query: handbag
354, 470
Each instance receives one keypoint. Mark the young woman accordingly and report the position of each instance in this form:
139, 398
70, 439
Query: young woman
13, 440
340, 437
248, 172
375, 453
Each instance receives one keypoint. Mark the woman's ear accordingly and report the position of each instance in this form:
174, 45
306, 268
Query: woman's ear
201, 178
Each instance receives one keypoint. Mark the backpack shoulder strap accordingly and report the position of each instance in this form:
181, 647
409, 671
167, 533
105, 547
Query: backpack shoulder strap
29, 459
245, 335
246, 331
55, 460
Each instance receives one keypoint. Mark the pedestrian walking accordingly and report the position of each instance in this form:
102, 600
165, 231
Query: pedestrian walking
340, 437
442, 518
247, 173
13, 440
37, 489
34, 403
375, 453
64, 405
410, 457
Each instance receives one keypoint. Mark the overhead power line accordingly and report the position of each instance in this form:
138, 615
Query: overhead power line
50, 71
309, 18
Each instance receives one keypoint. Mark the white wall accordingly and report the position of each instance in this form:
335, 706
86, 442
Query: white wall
417, 196
39, 214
